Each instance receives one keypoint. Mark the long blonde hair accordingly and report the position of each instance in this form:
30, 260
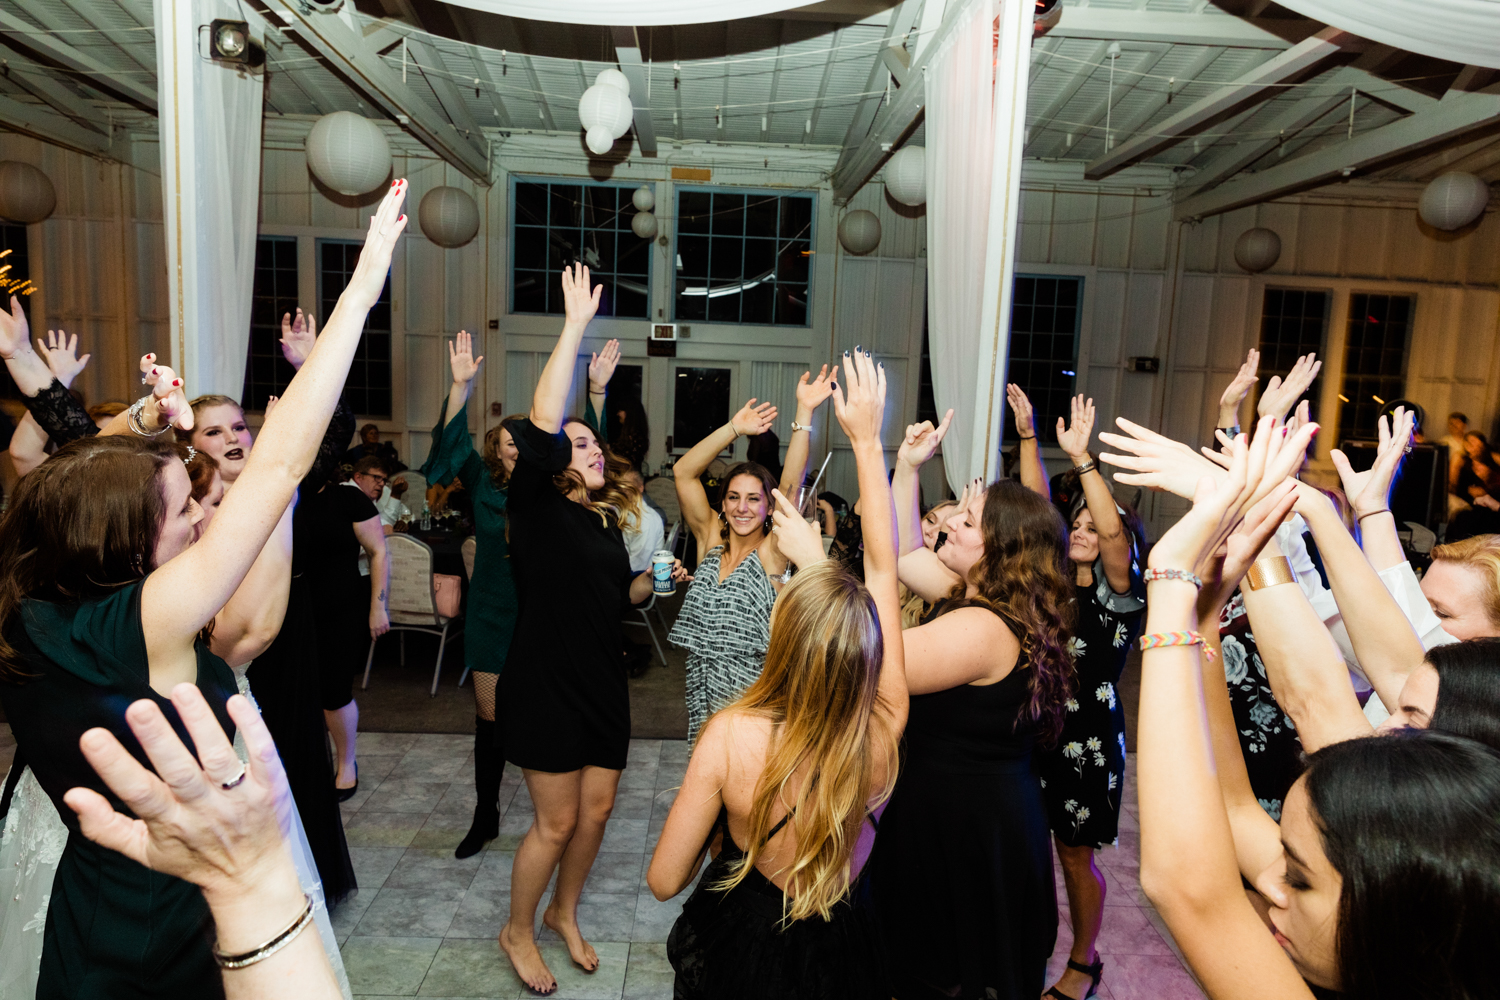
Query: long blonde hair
819, 691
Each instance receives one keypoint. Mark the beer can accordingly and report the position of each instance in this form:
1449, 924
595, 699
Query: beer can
662, 583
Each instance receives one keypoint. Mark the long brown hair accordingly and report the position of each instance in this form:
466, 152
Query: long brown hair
80, 525
819, 689
491, 453
767, 484
617, 498
1023, 573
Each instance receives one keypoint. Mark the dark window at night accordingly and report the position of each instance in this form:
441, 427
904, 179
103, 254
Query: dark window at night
926, 397
266, 370
15, 279
557, 224
368, 388
743, 258
701, 404
1044, 348
1374, 360
1292, 323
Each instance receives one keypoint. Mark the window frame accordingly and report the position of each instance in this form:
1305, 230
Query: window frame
246, 400
510, 242
1042, 420
1346, 402
390, 332
1315, 391
812, 243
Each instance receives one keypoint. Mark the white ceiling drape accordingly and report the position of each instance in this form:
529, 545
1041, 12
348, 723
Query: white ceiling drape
641, 13
1463, 31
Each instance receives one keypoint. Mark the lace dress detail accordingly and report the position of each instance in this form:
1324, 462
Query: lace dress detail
30, 848
60, 415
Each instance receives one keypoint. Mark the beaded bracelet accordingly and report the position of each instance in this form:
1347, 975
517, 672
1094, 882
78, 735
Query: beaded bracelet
272, 946
1172, 574
1158, 640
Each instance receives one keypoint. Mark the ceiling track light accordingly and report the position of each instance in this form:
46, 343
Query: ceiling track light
230, 42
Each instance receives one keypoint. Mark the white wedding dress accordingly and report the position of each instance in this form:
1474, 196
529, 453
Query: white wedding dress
31, 846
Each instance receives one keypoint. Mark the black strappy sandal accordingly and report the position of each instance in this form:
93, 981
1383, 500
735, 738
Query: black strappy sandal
1094, 972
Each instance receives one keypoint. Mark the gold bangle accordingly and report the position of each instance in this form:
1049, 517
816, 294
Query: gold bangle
1272, 571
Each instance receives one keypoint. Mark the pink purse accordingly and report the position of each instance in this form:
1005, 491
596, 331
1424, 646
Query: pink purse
447, 593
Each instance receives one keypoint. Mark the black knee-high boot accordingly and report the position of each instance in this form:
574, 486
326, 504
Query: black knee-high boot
489, 766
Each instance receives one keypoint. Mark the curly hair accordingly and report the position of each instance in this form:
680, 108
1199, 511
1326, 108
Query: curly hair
1023, 575
617, 498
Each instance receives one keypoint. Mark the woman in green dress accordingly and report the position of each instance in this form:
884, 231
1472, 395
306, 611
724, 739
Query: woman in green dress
491, 615
106, 591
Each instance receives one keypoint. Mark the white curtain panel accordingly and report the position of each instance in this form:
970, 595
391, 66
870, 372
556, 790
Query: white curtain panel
960, 145
210, 121
638, 13
1461, 31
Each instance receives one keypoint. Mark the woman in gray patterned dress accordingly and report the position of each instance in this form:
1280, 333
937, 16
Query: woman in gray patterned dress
725, 622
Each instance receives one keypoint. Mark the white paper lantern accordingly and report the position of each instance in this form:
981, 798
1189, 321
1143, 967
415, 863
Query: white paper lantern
859, 232
643, 224
1452, 201
605, 113
26, 195
644, 199
906, 175
613, 78
1257, 249
348, 153
448, 216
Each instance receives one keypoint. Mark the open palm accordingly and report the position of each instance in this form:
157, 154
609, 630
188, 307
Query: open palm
753, 420
1076, 437
813, 392
15, 332
461, 358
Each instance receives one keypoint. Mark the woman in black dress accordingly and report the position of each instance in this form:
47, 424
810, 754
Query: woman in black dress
1083, 775
961, 874
564, 707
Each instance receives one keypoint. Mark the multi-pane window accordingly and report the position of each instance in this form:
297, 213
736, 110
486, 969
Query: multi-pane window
556, 224
1293, 322
1044, 347
15, 279
743, 258
1374, 360
275, 294
701, 404
368, 388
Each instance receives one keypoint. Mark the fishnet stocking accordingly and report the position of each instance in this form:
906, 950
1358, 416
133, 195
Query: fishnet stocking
484, 694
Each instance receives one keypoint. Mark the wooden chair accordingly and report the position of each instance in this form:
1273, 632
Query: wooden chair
413, 601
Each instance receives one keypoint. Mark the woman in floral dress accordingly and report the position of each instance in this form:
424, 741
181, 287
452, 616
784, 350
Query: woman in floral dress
1083, 776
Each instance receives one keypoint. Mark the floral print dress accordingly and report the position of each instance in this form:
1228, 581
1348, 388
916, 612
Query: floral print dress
1268, 740
1083, 776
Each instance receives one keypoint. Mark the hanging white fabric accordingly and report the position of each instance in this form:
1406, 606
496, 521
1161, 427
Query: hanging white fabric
210, 127
1461, 31
640, 13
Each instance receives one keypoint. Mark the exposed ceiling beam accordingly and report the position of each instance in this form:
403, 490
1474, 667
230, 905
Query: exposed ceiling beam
833, 57
1148, 58
48, 127
1114, 25
628, 54
297, 76
781, 45
1042, 123
1456, 117
1260, 84
482, 73
86, 13
435, 71
35, 80
49, 48
347, 53
869, 105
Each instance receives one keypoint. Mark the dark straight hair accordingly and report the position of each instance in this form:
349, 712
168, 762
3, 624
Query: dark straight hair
1468, 698
1411, 822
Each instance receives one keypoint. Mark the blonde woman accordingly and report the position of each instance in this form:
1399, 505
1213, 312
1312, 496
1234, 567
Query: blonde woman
781, 781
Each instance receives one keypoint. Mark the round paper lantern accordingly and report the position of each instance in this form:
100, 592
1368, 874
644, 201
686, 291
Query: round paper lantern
644, 199
1452, 201
906, 175
605, 113
448, 216
348, 153
613, 78
643, 224
26, 195
1257, 249
859, 232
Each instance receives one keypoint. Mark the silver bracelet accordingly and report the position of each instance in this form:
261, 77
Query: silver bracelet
272, 946
133, 420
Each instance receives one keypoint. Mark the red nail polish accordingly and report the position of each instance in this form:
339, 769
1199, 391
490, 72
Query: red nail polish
403, 217
177, 382
155, 372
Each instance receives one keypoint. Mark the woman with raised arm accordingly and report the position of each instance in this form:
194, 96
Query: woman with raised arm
104, 595
961, 874
782, 780
562, 700
492, 590
1083, 775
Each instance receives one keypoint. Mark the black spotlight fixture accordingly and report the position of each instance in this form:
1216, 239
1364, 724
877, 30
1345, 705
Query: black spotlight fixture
1044, 7
230, 41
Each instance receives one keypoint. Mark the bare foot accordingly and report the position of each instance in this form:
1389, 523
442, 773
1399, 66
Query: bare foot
579, 950
527, 961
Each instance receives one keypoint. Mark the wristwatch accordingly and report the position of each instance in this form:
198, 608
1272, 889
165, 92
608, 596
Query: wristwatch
801, 427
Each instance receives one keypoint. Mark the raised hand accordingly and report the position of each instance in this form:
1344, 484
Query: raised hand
579, 302
1281, 394
863, 412
168, 402
297, 337
799, 540
922, 440
972, 489
602, 366
1020, 407
752, 419
386, 226
15, 332
1156, 462
461, 358
812, 394
1075, 439
1238, 388
1370, 491
61, 354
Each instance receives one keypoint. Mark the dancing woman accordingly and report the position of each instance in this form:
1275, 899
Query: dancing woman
104, 595
781, 781
492, 590
725, 621
562, 700
961, 873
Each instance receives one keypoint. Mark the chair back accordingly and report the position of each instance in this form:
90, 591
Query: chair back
467, 549
412, 597
663, 490
416, 489
671, 545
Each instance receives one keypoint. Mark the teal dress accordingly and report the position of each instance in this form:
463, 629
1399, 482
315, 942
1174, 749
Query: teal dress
491, 615
114, 928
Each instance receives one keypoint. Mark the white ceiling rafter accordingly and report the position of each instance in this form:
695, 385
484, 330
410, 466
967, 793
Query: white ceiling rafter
1142, 25
51, 48
628, 51
1149, 55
